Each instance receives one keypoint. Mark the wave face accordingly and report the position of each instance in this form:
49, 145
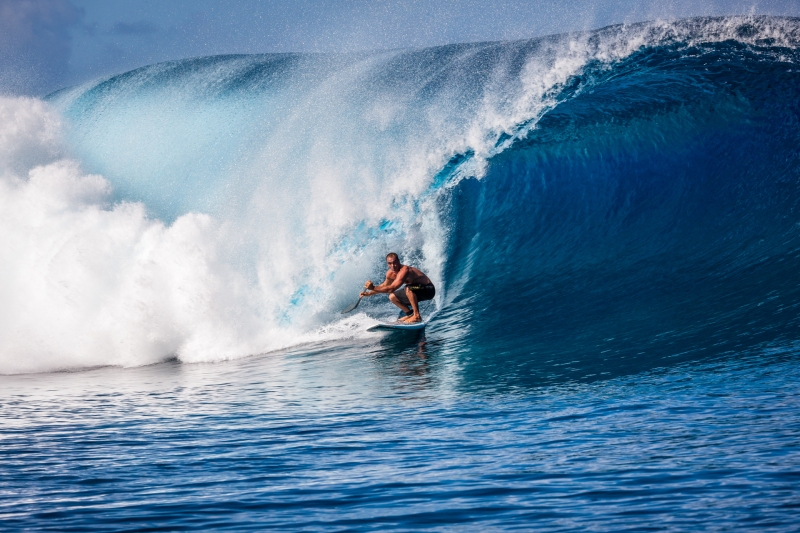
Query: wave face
624, 198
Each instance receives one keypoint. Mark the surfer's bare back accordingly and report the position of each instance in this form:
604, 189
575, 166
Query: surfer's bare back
418, 288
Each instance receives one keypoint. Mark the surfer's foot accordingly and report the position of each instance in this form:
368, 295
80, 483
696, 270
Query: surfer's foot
413, 319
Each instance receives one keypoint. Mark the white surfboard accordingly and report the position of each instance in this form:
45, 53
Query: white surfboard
396, 326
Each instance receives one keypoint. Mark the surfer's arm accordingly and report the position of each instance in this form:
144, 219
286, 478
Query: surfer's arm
392, 285
389, 285
370, 288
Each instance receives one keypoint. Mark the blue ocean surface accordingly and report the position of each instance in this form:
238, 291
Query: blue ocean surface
612, 222
386, 436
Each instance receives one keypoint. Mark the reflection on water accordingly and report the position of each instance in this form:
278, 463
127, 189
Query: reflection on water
407, 360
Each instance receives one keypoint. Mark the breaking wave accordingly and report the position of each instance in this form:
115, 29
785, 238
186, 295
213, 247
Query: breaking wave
628, 193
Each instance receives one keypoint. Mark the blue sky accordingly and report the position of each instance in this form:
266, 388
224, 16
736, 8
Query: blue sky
48, 44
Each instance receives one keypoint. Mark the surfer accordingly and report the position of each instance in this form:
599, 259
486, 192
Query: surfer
418, 288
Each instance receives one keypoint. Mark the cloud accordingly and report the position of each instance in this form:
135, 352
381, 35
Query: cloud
140, 27
35, 44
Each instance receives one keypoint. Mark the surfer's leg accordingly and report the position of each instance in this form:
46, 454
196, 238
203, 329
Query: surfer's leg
412, 298
397, 299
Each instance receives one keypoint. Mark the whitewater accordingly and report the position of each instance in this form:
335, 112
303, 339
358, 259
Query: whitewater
612, 222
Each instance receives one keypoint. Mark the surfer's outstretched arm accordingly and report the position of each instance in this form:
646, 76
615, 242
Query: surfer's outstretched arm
388, 286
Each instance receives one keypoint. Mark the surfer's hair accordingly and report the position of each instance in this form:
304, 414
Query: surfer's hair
392, 254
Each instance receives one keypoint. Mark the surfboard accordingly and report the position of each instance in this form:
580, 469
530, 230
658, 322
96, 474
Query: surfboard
396, 326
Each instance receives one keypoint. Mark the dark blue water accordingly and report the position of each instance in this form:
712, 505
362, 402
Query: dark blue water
382, 437
612, 220
655, 232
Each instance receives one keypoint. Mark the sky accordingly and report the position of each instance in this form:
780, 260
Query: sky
49, 44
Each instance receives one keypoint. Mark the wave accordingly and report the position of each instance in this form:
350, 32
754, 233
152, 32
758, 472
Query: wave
635, 183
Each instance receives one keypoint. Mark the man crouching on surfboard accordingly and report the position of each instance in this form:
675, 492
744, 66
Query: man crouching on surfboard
418, 288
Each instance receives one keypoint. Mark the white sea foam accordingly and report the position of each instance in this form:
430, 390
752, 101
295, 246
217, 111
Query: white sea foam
87, 282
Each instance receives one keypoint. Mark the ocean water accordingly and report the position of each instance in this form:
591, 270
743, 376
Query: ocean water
612, 222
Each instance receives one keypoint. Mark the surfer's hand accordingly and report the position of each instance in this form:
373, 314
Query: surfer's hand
369, 285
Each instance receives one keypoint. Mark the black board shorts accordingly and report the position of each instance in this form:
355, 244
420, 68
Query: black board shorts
423, 292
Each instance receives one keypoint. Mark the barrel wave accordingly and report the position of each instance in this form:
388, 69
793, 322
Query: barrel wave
588, 204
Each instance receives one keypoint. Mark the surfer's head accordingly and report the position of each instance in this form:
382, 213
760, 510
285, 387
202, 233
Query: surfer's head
393, 260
